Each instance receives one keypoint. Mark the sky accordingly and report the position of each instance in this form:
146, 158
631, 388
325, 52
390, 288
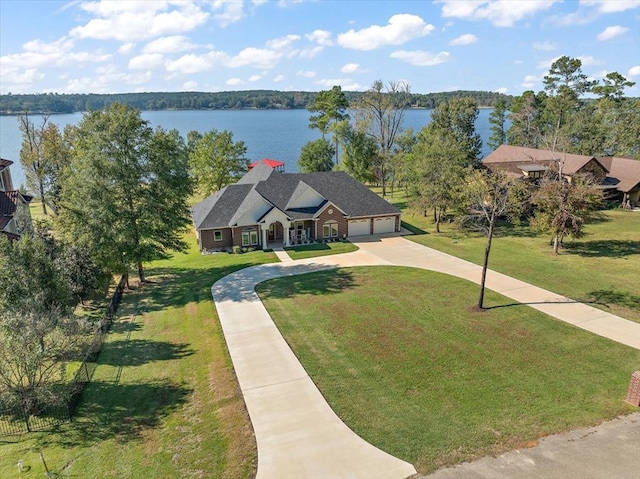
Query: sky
311, 45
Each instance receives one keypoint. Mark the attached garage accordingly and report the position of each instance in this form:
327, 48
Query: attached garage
384, 225
359, 227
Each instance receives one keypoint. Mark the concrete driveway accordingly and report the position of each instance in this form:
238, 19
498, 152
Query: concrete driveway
298, 435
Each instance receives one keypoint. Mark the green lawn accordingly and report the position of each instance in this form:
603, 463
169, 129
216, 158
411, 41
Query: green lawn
601, 269
405, 363
164, 401
320, 249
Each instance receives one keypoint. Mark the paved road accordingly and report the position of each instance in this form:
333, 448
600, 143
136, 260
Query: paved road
297, 434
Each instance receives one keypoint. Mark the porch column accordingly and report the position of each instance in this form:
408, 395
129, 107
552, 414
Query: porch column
287, 234
264, 238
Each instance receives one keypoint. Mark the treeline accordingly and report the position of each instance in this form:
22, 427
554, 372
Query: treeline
48, 103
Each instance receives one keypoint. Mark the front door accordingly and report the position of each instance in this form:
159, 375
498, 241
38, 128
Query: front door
272, 232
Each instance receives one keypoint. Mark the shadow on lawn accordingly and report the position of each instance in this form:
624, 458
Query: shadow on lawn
177, 287
619, 298
136, 352
325, 282
120, 411
604, 248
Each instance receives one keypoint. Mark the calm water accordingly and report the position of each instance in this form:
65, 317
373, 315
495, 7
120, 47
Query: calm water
277, 134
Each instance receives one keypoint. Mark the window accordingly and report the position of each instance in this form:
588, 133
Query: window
330, 229
249, 238
217, 236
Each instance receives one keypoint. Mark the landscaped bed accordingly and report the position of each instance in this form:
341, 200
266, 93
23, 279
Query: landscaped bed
401, 357
320, 249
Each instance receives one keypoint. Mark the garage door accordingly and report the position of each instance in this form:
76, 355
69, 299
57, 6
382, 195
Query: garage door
359, 227
384, 225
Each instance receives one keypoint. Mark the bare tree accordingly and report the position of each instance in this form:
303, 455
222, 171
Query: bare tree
379, 113
489, 196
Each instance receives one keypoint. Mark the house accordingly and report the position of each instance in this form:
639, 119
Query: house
519, 161
275, 164
624, 175
14, 206
267, 207
620, 177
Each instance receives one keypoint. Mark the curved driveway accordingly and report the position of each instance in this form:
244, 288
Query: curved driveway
298, 435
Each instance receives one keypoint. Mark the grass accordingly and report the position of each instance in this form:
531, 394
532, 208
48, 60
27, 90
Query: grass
320, 249
418, 374
164, 401
600, 269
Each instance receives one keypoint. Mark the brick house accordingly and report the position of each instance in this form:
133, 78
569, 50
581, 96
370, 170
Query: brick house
267, 207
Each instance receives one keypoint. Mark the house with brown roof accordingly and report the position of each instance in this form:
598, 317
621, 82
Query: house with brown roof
267, 207
14, 206
619, 176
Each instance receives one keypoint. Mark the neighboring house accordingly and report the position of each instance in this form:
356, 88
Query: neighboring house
619, 176
532, 163
275, 164
14, 206
267, 207
624, 175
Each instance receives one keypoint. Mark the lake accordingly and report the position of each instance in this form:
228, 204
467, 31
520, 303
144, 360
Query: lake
277, 134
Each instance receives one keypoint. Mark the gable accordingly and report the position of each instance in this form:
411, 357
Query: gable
304, 197
254, 208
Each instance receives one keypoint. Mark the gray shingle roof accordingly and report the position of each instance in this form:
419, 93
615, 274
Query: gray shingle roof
225, 207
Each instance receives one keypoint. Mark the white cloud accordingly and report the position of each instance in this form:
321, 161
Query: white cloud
171, 44
347, 84
545, 46
135, 21
126, 48
503, 90
190, 63
529, 81
589, 61
189, 85
350, 68
146, 61
306, 74
254, 78
309, 52
108, 79
634, 71
466, 39
611, 32
282, 42
611, 6
322, 37
502, 13
278, 78
229, 12
255, 57
420, 58
234, 82
400, 29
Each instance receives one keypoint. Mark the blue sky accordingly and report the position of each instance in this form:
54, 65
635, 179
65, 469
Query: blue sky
216, 45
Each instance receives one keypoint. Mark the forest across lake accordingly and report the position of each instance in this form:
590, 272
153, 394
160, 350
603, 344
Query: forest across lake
224, 100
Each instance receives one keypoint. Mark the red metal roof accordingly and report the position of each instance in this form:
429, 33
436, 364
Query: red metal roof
268, 162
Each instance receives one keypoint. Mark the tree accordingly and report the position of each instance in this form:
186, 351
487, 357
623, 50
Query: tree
497, 120
216, 160
526, 120
359, 155
565, 83
35, 161
35, 346
613, 86
125, 193
456, 119
379, 114
80, 272
437, 163
562, 208
316, 155
487, 196
331, 106
29, 277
